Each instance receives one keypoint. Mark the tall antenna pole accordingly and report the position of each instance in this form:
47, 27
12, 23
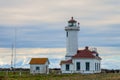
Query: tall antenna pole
12, 58
15, 50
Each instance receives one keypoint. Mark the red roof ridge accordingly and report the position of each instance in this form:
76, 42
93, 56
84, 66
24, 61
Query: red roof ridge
86, 53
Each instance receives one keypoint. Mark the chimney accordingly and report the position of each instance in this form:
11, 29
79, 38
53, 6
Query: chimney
86, 47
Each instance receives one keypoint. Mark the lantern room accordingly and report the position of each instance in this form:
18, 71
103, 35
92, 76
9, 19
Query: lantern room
72, 22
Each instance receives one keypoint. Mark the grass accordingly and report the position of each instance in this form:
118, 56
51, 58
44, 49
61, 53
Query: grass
27, 76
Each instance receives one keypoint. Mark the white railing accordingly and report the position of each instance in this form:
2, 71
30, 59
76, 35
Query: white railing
72, 28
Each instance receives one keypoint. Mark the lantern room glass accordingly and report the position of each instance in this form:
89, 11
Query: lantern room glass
72, 24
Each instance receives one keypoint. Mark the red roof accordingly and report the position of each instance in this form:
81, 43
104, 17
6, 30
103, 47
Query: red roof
66, 62
38, 60
72, 20
86, 53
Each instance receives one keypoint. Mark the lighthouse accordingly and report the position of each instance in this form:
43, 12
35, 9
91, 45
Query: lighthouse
83, 61
71, 38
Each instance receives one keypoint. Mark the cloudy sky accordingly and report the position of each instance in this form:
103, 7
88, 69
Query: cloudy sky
40, 24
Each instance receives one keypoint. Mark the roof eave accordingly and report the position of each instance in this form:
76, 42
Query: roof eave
86, 58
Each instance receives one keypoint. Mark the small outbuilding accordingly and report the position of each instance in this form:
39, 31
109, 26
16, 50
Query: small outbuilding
39, 65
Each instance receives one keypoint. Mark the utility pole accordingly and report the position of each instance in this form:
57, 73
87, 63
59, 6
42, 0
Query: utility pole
12, 58
15, 49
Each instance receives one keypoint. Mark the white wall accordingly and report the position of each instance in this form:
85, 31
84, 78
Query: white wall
71, 41
82, 66
63, 68
43, 68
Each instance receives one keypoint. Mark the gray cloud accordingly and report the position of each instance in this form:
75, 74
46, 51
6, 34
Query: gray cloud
41, 23
35, 12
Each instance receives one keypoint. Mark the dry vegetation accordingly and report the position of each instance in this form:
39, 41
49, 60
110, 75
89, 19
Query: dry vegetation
27, 76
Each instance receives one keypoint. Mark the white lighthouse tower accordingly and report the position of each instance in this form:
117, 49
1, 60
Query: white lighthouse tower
71, 38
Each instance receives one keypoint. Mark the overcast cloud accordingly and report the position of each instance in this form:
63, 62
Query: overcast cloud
40, 26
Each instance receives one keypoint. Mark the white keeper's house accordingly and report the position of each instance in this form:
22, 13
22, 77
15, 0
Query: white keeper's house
78, 61
39, 65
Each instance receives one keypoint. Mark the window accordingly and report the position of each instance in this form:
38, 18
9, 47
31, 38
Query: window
97, 54
99, 66
87, 66
37, 68
95, 66
70, 24
78, 66
74, 24
67, 67
67, 34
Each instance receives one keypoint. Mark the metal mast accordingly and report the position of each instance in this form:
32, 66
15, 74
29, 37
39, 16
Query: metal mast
15, 50
12, 58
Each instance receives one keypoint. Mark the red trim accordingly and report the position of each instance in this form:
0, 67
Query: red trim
72, 20
66, 62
